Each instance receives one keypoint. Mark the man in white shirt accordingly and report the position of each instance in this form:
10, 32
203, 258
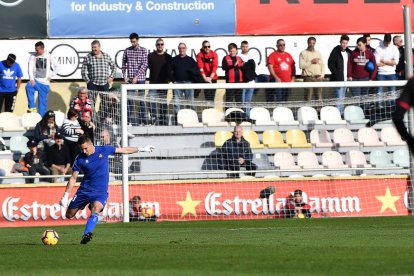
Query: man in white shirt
42, 67
247, 95
386, 56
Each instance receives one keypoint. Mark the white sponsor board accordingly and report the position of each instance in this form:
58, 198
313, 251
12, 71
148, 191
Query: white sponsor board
70, 52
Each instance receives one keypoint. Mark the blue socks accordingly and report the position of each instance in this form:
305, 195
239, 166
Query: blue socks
91, 223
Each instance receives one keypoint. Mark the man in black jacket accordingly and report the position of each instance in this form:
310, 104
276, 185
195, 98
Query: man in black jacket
236, 153
338, 64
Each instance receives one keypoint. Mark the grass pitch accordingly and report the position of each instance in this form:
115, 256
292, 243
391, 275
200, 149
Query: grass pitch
345, 246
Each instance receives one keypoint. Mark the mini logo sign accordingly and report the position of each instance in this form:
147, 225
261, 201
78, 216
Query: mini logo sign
68, 59
10, 3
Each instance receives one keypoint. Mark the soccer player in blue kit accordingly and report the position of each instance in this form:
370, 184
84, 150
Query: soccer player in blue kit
93, 190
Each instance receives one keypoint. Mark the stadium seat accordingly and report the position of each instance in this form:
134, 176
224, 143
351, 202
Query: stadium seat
368, 137
308, 116
343, 137
29, 120
296, 138
59, 118
355, 115
401, 158
331, 115
213, 117
18, 144
356, 159
333, 160
285, 161
231, 109
308, 160
10, 122
262, 116
380, 159
188, 118
252, 137
273, 139
261, 160
321, 139
222, 136
391, 137
283, 116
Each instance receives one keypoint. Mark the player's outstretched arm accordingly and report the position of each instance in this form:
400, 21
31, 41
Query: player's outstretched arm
128, 150
72, 180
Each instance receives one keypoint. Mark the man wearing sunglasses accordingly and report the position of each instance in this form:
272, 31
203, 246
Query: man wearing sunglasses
207, 61
158, 64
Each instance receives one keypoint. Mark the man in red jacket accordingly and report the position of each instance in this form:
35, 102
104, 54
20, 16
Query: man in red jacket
207, 61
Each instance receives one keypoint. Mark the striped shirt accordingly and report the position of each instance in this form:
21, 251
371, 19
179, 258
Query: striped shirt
97, 69
69, 128
135, 63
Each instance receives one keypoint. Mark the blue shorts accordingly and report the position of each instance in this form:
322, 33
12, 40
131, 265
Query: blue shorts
83, 198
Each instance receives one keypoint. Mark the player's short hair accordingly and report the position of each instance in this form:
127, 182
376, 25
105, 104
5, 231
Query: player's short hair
387, 38
40, 44
244, 42
136, 198
134, 36
232, 46
395, 38
362, 39
344, 37
96, 42
297, 192
84, 139
311, 38
366, 35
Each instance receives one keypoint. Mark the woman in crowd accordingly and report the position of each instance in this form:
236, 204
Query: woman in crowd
71, 130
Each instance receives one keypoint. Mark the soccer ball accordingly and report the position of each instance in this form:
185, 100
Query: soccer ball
147, 212
50, 237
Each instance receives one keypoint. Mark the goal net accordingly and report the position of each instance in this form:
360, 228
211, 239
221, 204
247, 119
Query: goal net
344, 155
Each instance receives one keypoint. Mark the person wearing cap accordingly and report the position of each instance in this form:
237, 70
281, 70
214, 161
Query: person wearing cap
45, 130
58, 157
10, 81
33, 161
296, 207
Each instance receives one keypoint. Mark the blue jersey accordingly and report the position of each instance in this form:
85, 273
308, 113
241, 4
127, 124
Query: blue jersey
95, 169
8, 76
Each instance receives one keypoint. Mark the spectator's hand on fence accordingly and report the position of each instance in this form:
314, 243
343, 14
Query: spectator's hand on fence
65, 200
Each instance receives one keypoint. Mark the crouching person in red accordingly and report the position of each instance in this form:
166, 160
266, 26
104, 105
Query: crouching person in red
296, 207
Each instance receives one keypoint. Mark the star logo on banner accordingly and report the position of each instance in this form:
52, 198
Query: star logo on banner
188, 205
388, 201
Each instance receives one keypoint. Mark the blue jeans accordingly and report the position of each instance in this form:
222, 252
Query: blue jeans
340, 95
43, 92
390, 77
247, 97
180, 94
132, 118
361, 91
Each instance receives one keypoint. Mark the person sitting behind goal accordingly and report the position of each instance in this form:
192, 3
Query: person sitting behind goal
236, 153
136, 211
296, 207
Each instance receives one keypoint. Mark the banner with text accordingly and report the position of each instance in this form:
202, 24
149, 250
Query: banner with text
283, 17
216, 200
117, 18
